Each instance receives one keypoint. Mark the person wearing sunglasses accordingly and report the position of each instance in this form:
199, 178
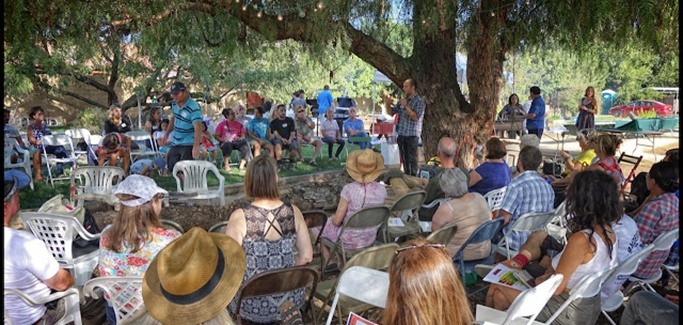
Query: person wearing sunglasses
304, 133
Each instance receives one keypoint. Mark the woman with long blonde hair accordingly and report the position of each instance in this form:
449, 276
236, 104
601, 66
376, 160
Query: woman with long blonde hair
116, 120
424, 287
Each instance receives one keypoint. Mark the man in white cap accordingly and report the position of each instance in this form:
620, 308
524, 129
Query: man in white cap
185, 124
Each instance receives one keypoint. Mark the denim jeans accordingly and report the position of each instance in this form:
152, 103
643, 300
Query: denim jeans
646, 307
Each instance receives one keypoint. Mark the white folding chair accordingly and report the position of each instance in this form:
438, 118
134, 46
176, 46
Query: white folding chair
72, 309
124, 294
58, 232
194, 184
557, 227
662, 243
142, 138
81, 134
527, 222
587, 287
427, 225
495, 198
50, 160
525, 308
96, 184
612, 301
364, 284
23, 161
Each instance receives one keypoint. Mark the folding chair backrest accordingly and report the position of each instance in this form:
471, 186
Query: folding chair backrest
483, 233
368, 217
279, 281
409, 203
219, 227
367, 285
78, 134
124, 294
495, 197
142, 138
59, 140
444, 235
532, 221
632, 160
375, 257
530, 302
665, 240
315, 218
587, 287
629, 265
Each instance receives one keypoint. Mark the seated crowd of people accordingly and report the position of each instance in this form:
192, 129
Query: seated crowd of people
194, 278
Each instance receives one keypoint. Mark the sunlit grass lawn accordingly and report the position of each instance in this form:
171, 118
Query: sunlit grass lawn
44, 191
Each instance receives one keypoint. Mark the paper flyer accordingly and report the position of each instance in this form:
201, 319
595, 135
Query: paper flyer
396, 222
504, 276
355, 319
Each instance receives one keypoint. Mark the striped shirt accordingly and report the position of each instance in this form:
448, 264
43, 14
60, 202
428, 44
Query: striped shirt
526, 193
406, 126
183, 126
655, 218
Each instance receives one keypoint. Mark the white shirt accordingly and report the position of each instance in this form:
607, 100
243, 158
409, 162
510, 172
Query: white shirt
628, 243
329, 128
27, 265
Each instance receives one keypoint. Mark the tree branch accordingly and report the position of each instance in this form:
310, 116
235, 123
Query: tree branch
70, 94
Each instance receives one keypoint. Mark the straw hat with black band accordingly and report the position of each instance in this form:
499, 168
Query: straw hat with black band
364, 166
194, 278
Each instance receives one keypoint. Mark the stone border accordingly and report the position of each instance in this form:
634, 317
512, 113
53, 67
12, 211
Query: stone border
237, 188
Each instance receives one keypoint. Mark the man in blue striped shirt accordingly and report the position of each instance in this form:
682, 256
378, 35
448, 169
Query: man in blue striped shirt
185, 124
527, 192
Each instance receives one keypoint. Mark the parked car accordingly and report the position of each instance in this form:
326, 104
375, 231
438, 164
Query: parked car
641, 106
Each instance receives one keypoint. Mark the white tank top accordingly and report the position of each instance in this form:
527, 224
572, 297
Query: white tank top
600, 261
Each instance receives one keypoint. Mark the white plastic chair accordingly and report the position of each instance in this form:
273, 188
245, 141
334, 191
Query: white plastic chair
527, 222
23, 161
58, 232
96, 184
626, 267
364, 284
77, 134
662, 243
50, 160
525, 308
219, 227
194, 184
124, 294
495, 198
142, 138
170, 224
72, 309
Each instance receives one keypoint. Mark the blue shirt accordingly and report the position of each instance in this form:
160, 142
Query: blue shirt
353, 125
138, 165
259, 126
537, 107
526, 193
183, 126
325, 100
494, 175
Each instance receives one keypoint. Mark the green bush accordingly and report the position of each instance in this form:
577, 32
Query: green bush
91, 118
646, 114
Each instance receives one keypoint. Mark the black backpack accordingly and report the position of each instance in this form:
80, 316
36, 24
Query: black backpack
90, 225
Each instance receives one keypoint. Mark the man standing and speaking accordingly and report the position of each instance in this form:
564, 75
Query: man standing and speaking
186, 124
410, 111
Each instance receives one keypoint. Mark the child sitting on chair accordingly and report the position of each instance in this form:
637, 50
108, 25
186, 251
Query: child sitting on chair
207, 145
114, 147
146, 167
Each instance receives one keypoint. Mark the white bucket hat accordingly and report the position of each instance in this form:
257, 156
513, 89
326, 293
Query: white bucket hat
143, 187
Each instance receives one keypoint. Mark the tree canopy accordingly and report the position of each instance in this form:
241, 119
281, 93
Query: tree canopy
224, 43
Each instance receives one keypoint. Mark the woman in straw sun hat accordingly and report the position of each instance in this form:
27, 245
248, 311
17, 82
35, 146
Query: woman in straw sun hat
135, 236
192, 280
364, 166
269, 231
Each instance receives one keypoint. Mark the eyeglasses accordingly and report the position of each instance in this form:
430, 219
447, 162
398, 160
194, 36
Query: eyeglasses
299, 111
405, 248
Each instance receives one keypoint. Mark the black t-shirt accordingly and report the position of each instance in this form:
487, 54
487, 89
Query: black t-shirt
124, 127
284, 127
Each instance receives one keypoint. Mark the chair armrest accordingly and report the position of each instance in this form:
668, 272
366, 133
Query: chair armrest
86, 235
434, 203
36, 302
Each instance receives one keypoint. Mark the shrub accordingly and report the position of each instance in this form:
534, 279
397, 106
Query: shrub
91, 118
646, 114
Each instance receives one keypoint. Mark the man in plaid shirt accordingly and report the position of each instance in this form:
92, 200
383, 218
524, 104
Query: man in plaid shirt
410, 111
528, 192
658, 214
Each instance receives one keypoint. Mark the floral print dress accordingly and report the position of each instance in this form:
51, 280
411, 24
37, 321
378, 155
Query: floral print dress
127, 263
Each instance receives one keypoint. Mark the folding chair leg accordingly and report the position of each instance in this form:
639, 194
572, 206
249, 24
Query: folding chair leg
609, 319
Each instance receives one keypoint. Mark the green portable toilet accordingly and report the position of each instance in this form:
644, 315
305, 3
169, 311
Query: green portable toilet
608, 97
